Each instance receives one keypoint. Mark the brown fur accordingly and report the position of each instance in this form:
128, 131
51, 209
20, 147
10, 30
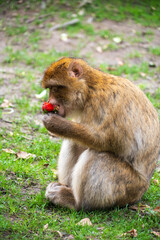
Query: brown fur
113, 138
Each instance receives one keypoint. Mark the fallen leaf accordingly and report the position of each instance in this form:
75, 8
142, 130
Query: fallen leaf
7, 150
157, 209
156, 233
64, 37
55, 173
153, 8
120, 62
117, 39
42, 94
59, 233
140, 207
12, 173
131, 233
111, 68
89, 20
45, 227
81, 12
100, 228
28, 138
143, 74
155, 181
25, 155
74, 15
99, 49
6, 104
151, 64
8, 110
69, 237
46, 164
85, 221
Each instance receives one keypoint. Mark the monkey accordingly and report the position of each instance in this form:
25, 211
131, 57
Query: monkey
111, 137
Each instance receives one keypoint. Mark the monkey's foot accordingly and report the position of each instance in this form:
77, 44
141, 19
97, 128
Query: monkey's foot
60, 195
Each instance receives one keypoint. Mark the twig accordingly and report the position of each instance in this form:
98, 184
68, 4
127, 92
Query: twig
38, 17
27, 138
74, 21
2, 120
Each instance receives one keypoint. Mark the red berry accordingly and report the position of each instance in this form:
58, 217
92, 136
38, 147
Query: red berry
48, 107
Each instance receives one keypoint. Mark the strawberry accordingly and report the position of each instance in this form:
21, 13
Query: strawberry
48, 107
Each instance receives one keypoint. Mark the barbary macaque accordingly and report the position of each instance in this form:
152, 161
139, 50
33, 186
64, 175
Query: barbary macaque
111, 136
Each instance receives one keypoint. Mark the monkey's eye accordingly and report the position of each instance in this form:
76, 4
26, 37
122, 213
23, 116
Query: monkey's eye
57, 88
54, 89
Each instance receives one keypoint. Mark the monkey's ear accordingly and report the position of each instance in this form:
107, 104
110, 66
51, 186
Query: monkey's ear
75, 70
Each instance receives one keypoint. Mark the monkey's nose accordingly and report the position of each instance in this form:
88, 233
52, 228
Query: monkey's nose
53, 101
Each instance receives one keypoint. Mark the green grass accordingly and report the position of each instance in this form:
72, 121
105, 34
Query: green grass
35, 59
11, 31
25, 211
146, 12
135, 54
155, 50
132, 72
106, 34
86, 28
155, 99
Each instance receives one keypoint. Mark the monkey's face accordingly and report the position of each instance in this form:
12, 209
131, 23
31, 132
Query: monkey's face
58, 96
66, 87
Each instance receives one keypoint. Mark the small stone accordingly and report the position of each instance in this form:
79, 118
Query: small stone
152, 64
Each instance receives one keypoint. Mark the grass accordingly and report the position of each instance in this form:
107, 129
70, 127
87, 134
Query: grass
36, 59
154, 98
155, 50
24, 211
115, 10
132, 72
135, 54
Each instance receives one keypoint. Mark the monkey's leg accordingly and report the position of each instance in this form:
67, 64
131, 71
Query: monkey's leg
68, 157
101, 180
60, 193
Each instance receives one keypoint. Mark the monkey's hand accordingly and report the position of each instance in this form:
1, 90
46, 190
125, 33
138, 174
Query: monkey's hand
55, 124
72, 130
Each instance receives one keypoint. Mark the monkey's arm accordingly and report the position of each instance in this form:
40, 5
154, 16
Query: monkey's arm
78, 132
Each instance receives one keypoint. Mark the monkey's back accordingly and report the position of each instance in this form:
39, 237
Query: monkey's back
133, 122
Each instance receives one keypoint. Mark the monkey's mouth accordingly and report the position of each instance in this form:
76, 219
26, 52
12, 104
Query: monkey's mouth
58, 108
60, 111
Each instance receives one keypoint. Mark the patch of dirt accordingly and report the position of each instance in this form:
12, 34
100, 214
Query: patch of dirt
2, 46
31, 190
127, 29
